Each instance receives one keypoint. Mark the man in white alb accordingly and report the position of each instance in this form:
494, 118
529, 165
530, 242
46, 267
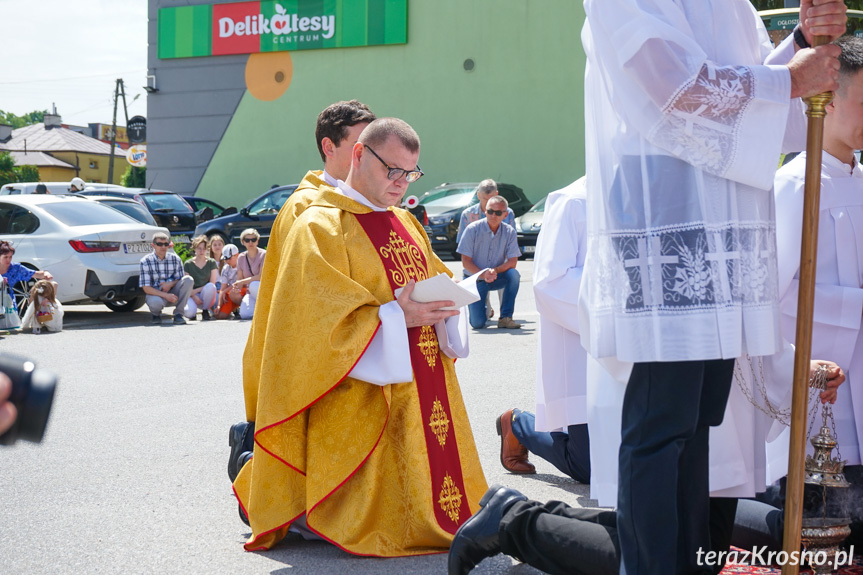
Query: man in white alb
838, 309
686, 111
558, 430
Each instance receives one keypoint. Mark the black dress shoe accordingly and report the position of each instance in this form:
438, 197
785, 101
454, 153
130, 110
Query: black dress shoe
478, 538
241, 438
244, 458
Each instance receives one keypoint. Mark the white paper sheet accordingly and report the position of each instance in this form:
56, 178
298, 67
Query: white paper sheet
443, 288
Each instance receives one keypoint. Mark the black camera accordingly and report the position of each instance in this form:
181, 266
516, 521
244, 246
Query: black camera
32, 394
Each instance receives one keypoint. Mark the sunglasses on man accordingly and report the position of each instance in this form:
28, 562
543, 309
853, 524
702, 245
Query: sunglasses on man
495, 212
162, 244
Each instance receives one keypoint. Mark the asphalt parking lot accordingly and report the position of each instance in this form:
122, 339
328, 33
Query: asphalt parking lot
131, 475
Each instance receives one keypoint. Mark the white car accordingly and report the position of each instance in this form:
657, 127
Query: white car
92, 251
53, 188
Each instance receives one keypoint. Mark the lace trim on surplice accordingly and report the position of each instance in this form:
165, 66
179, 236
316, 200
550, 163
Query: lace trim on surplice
700, 123
685, 268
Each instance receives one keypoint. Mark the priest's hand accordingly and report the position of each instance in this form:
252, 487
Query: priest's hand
822, 18
835, 378
814, 70
417, 314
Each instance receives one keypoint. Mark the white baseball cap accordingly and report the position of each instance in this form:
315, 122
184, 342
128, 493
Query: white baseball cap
229, 251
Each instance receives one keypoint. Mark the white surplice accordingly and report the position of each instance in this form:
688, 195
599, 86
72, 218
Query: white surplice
838, 310
557, 266
684, 128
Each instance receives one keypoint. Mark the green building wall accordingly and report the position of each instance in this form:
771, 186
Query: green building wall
517, 117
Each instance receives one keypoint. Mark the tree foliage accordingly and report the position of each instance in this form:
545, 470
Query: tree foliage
20, 121
10, 173
7, 169
27, 173
134, 177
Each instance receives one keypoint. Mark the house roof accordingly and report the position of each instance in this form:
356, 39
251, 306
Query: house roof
57, 139
40, 159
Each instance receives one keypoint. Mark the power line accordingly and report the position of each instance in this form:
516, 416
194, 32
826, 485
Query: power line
72, 78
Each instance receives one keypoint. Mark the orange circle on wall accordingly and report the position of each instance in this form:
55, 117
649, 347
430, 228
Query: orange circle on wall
269, 74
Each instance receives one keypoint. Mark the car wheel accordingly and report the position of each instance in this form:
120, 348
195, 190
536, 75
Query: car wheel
21, 291
120, 305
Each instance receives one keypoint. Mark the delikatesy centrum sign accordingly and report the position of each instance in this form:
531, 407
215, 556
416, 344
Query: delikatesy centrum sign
277, 25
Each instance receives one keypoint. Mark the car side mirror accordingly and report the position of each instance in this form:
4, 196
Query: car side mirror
244, 212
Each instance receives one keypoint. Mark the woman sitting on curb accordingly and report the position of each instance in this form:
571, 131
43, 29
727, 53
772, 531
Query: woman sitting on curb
13, 272
249, 269
205, 272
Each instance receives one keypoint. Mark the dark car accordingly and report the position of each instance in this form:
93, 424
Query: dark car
445, 203
207, 209
168, 209
527, 228
258, 214
131, 208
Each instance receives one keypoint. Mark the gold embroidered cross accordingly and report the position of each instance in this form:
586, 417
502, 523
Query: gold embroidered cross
439, 422
450, 498
428, 345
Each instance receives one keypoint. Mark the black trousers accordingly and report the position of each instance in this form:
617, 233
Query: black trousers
663, 488
557, 538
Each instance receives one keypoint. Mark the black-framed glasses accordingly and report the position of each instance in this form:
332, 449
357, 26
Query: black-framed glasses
162, 244
495, 212
395, 173
249, 240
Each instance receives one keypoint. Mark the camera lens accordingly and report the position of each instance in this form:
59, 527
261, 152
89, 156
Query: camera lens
32, 394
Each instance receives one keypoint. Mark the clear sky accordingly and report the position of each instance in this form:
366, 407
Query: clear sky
69, 53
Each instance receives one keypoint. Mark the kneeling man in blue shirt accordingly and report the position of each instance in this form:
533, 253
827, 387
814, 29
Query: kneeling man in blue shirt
491, 243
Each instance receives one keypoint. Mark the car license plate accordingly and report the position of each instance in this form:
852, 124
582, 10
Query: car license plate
529, 249
180, 239
137, 248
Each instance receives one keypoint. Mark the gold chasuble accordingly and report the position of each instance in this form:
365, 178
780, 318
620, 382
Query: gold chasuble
383, 471
307, 191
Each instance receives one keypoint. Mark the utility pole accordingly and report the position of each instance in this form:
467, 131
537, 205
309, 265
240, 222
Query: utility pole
119, 90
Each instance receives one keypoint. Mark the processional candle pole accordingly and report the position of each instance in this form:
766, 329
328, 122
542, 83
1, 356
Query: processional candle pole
815, 110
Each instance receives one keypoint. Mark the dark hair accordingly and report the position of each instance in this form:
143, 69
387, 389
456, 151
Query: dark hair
41, 189
851, 58
379, 131
336, 118
6, 248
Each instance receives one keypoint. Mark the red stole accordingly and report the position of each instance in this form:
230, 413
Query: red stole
404, 261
